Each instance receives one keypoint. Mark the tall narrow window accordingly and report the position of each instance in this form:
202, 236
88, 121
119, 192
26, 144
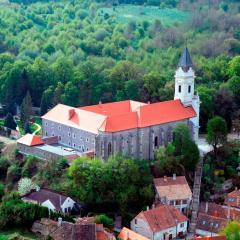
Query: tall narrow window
179, 88
189, 88
109, 149
156, 141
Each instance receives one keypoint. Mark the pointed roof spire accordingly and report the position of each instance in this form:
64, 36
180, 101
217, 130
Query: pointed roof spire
185, 61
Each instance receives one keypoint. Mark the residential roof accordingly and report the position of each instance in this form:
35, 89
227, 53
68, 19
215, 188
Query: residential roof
30, 140
162, 217
214, 217
220, 211
127, 234
173, 188
210, 223
66, 230
211, 238
119, 116
233, 199
43, 195
185, 61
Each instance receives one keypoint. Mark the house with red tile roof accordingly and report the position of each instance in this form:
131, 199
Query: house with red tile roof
127, 234
173, 191
233, 199
212, 218
83, 229
210, 238
128, 127
160, 223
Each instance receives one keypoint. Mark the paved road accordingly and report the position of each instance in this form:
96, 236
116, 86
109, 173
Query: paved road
38, 128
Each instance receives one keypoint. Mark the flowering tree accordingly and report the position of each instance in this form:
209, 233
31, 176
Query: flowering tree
25, 185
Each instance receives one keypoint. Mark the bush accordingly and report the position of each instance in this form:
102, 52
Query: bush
105, 220
4, 164
29, 167
16, 213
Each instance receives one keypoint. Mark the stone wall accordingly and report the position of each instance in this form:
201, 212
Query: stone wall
137, 143
75, 138
39, 153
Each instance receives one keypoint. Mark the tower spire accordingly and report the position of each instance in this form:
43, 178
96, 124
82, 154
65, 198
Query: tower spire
185, 61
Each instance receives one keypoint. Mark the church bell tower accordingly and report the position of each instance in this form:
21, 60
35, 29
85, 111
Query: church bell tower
184, 79
184, 88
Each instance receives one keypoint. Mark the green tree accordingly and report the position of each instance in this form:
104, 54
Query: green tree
23, 87
232, 231
71, 95
216, 132
94, 182
234, 67
9, 122
2, 187
57, 96
185, 148
46, 101
234, 85
27, 128
206, 95
26, 109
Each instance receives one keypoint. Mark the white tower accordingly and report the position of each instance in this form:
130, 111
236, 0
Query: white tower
184, 88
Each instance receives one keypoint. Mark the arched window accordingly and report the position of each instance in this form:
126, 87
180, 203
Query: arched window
109, 149
179, 88
156, 141
189, 88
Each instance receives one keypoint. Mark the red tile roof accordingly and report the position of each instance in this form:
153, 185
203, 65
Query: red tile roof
214, 217
233, 199
173, 188
211, 238
30, 140
119, 116
220, 211
162, 217
127, 234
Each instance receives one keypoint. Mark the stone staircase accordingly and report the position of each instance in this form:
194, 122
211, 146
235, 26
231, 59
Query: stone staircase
196, 196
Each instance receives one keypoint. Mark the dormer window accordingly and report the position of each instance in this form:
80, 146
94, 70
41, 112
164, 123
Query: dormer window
189, 89
179, 88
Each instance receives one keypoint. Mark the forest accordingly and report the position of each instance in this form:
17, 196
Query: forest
81, 52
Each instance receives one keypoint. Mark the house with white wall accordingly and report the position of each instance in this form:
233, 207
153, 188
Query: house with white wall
173, 191
161, 223
52, 200
213, 218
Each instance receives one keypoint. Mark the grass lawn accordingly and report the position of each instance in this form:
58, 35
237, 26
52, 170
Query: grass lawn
17, 234
126, 13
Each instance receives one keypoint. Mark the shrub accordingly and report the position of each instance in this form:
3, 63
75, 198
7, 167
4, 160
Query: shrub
105, 220
25, 185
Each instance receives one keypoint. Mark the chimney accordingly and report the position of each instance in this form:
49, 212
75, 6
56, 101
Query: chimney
236, 188
174, 177
153, 206
59, 222
71, 112
206, 207
165, 178
149, 102
228, 213
100, 102
147, 208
